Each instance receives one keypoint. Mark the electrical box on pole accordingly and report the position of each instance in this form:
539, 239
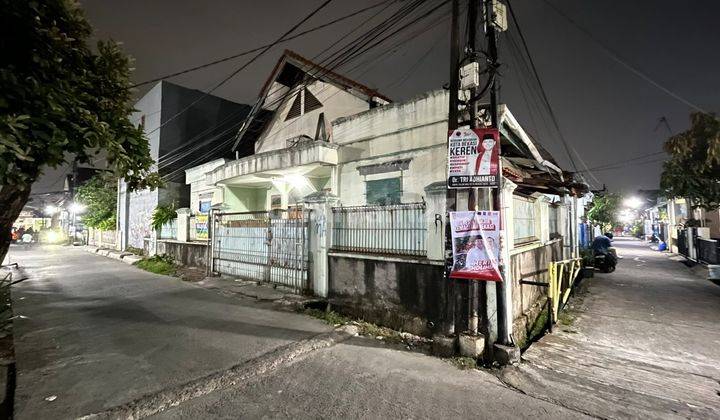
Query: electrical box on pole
499, 20
470, 76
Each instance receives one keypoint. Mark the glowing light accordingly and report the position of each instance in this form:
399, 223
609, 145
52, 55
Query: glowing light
633, 202
53, 237
77, 208
50, 210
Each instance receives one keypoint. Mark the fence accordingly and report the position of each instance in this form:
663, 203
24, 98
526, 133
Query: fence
682, 242
169, 230
266, 246
707, 251
394, 229
102, 238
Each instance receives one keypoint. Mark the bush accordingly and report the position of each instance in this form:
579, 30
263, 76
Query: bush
158, 264
162, 215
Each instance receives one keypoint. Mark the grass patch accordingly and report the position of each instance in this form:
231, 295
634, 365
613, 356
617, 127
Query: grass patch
364, 328
463, 363
158, 264
331, 317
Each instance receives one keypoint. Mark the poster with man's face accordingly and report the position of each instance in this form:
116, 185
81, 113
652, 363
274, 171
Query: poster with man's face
476, 245
473, 158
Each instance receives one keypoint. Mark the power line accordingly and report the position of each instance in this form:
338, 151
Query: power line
244, 53
542, 89
616, 57
602, 167
348, 53
244, 66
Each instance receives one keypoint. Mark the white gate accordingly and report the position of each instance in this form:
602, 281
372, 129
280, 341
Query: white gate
264, 246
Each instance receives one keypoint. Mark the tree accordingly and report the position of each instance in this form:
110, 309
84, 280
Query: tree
61, 100
604, 210
693, 171
99, 195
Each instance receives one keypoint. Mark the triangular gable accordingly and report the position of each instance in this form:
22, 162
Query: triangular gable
290, 70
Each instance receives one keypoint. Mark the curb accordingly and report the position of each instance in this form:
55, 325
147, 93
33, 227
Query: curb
126, 257
155, 403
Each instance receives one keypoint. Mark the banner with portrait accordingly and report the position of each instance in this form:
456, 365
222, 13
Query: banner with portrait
473, 158
476, 245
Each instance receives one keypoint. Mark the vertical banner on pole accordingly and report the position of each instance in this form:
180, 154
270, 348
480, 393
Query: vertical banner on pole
476, 245
473, 158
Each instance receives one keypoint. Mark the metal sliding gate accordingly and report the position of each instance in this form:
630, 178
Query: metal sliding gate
269, 246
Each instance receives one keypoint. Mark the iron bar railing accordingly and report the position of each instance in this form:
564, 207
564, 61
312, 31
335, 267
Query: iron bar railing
398, 229
707, 251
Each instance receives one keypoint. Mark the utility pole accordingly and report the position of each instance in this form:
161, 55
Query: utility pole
473, 286
453, 289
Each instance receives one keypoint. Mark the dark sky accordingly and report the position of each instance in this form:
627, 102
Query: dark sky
605, 112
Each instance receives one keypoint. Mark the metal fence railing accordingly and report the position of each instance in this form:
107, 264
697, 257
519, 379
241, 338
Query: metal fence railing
707, 251
398, 229
169, 230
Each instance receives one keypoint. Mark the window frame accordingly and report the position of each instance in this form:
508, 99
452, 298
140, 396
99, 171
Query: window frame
535, 237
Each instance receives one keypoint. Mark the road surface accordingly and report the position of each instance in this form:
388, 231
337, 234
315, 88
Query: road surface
95, 333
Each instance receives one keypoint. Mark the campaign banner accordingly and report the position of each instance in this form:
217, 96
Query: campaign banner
476, 245
201, 226
473, 158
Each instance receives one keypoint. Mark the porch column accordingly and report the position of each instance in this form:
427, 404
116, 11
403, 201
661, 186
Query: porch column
319, 238
183, 222
508, 241
435, 220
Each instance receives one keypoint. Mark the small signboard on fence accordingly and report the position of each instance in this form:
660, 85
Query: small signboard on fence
201, 227
476, 245
473, 158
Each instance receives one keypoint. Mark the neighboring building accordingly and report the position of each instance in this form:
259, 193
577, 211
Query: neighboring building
345, 197
184, 127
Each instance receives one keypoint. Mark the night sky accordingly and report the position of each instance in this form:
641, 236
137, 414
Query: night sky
605, 112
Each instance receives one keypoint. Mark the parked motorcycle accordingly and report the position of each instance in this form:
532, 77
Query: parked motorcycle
605, 262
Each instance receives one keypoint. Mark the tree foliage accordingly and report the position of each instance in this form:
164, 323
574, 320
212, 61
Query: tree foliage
604, 210
693, 171
61, 100
99, 195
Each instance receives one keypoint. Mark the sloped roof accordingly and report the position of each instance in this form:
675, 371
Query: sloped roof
292, 68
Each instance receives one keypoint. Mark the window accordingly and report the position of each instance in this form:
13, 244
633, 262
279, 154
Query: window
295, 108
524, 220
311, 102
383, 192
553, 215
303, 103
205, 206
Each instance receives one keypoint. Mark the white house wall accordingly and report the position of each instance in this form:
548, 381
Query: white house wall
415, 130
336, 103
133, 220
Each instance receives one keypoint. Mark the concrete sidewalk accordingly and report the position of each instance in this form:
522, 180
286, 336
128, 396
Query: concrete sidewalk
94, 333
644, 343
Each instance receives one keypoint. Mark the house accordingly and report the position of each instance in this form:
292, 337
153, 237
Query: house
184, 127
345, 198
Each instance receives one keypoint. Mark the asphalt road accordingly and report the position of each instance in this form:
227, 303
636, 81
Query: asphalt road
96, 333
644, 342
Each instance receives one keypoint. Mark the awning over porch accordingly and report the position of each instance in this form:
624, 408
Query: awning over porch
301, 159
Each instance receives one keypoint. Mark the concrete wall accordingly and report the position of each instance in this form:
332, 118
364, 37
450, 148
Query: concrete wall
401, 295
527, 300
166, 132
336, 103
191, 254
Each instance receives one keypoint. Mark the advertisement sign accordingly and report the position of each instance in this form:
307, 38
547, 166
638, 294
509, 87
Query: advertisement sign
473, 158
201, 226
476, 245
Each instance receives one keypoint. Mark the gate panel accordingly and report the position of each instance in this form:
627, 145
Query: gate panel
262, 246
